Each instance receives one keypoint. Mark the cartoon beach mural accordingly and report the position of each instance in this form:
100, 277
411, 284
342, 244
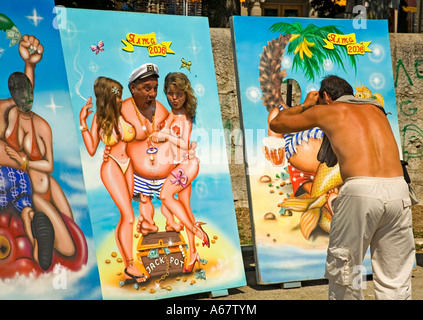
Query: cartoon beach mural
291, 198
45, 230
158, 185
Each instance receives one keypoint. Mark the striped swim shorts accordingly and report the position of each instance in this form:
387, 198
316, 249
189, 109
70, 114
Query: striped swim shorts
147, 187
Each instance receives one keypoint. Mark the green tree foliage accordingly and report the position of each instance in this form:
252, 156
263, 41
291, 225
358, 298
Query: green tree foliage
326, 8
306, 44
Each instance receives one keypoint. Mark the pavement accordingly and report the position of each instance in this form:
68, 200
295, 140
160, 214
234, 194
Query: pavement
309, 290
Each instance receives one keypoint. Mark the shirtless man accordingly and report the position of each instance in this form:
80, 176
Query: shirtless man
373, 207
152, 162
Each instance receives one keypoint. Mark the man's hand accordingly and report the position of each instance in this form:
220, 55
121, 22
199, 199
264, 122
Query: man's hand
158, 136
191, 151
30, 44
311, 99
85, 111
106, 153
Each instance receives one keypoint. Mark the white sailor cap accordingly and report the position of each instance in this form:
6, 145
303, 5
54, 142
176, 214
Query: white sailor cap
147, 69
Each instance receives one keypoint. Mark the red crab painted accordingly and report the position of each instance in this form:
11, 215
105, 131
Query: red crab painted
16, 250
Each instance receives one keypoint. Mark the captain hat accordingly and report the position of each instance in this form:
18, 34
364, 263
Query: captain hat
144, 71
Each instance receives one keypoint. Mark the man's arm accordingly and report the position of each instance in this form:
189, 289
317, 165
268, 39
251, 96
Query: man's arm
293, 119
31, 52
272, 115
25, 45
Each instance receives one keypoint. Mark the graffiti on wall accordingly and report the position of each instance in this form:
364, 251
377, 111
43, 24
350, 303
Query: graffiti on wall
411, 133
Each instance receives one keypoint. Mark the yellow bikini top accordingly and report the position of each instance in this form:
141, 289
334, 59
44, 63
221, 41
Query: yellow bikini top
124, 127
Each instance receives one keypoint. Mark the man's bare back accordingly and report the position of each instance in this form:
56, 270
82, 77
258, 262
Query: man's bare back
362, 139
360, 136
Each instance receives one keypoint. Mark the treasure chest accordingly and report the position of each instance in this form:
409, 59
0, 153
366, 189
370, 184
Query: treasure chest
162, 253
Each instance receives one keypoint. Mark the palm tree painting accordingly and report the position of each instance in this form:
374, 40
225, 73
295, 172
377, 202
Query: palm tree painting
307, 46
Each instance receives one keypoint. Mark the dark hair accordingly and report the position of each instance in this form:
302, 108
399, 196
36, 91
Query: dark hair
335, 87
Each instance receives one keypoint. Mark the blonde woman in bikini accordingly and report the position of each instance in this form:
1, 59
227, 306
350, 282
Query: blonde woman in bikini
110, 127
176, 132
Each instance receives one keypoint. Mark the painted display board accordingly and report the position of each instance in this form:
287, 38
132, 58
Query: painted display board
290, 191
46, 240
113, 44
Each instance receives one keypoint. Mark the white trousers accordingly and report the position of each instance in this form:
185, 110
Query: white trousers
373, 212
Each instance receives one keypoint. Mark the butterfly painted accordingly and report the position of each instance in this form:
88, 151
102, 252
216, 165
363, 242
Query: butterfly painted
186, 64
98, 48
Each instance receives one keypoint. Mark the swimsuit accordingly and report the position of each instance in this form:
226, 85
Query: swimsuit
147, 187
12, 141
292, 140
299, 177
123, 166
15, 189
128, 134
124, 127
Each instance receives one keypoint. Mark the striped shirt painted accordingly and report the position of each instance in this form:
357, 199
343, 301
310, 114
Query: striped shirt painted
292, 140
148, 187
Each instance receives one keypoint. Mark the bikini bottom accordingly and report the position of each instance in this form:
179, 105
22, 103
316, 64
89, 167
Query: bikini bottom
123, 166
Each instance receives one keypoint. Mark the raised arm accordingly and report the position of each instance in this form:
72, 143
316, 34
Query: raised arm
31, 52
294, 119
90, 136
272, 115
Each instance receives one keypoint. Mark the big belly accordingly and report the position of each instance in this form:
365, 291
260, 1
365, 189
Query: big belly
142, 162
306, 157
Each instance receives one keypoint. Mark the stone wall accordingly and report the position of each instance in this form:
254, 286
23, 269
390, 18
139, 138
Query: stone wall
407, 65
